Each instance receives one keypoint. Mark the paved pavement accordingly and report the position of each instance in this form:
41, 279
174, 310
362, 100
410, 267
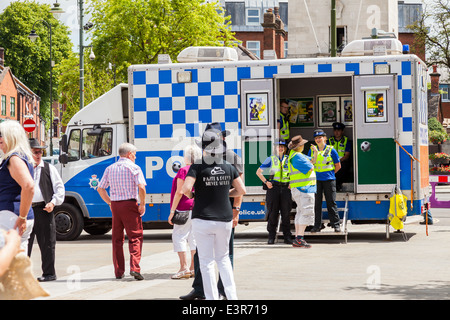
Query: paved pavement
412, 265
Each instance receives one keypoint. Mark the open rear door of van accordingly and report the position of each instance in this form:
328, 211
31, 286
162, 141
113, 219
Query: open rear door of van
375, 131
258, 118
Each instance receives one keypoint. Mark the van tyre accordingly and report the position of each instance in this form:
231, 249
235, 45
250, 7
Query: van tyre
69, 222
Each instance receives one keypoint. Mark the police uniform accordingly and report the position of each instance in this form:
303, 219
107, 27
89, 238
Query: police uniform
278, 198
284, 127
342, 146
326, 184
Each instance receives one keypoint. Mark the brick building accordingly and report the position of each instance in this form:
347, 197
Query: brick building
18, 102
247, 17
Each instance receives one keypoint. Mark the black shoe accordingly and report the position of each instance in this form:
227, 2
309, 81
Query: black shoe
288, 239
120, 277
271, 241
192, 296
136, 275
46, 278
423, 222
315, 229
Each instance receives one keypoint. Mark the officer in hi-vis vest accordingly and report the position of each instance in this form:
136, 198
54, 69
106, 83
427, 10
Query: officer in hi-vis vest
283, 122
278, 196
343, 147
302, 181
326, 165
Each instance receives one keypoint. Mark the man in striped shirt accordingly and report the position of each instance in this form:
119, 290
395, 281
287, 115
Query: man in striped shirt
126, 182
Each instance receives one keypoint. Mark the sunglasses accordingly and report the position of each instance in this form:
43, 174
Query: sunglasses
38, 152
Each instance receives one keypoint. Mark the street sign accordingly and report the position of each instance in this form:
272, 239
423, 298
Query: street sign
29, 125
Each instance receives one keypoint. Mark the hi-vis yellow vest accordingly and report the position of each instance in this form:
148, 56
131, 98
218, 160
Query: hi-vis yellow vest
298, 179
278, 171
324, 161
284, 128
339, 145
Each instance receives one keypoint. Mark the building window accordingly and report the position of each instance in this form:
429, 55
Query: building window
254, 47
13, 106
444, 88
341, 35
285, 49
3, 105
253, 17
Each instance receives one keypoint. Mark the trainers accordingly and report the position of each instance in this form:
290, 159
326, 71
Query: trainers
300, 243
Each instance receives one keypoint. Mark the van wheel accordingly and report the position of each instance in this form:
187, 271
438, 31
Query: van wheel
69, 222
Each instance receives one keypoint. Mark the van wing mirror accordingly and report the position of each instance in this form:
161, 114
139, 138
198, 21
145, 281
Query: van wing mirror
63, 143
64, 158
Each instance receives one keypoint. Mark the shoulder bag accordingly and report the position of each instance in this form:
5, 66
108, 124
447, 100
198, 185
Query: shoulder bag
180, 217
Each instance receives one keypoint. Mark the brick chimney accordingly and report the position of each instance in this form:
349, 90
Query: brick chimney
435, 81
274, 33
2, 56
280, 34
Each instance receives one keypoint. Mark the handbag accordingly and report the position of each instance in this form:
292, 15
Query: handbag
180, 217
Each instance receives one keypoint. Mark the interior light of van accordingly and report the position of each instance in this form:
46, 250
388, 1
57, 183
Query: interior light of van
382, 68
184, 77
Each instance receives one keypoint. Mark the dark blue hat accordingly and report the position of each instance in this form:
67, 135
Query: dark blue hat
338, 125
319, 132
281, 143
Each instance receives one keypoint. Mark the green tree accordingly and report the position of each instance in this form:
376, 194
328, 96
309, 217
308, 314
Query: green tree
97, 82
135, 31
433, 30
30, 62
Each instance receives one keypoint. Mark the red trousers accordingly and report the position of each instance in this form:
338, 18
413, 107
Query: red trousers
125, 215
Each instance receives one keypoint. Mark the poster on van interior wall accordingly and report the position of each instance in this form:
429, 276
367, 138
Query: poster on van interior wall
347, 110
257, 114
301, 112
328, 110
375, 106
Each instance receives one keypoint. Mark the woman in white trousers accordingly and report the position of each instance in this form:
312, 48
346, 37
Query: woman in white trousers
214, 181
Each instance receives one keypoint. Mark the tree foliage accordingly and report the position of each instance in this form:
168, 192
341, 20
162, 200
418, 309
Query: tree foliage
97, 82
30, 62
136, 31
433, 30
436, 133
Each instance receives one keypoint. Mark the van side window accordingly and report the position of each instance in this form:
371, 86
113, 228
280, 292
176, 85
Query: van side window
74, 145
96, 143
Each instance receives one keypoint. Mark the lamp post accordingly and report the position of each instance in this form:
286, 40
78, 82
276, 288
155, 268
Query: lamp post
56, 11
33, 36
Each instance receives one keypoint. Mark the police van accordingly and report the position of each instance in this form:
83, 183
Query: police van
381, 98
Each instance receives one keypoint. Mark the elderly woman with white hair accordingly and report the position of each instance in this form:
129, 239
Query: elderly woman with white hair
182, 235
16, 177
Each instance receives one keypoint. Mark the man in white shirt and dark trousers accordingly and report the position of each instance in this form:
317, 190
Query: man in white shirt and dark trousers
48, 192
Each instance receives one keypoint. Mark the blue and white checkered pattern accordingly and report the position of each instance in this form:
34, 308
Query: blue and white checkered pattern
162, 106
